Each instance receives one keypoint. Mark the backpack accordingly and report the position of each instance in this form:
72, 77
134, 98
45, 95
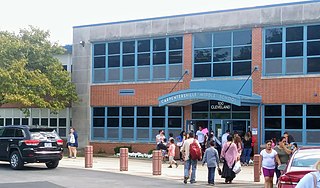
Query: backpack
195, 151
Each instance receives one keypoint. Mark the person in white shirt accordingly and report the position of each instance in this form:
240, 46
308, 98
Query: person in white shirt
224, 137
312, 179
189, 163
201, 139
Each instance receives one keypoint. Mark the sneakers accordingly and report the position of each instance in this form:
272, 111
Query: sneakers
177, 165
170, 166
192, 182
185, 180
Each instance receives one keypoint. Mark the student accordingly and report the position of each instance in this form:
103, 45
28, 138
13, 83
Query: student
172, 153
211, 157
284, 154
268, 157
189, 163
230, 154
73, 143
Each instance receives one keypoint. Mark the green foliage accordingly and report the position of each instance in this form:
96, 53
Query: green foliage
117, 149
150, 151
30, 75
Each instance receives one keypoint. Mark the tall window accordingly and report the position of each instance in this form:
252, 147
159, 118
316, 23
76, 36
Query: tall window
292, 50
222, 54
138, 60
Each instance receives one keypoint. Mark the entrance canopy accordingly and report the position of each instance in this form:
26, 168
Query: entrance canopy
191, 96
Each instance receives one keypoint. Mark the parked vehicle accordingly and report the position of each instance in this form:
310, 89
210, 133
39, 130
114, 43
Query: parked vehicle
24, 144
301, 163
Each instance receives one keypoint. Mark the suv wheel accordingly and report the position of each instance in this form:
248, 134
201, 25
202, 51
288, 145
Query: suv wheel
52, 164
16, 162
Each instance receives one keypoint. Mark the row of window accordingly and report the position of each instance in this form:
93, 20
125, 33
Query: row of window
138, 60
292, 50
222, 54
135, 123
287, 51
43, 117
302, 121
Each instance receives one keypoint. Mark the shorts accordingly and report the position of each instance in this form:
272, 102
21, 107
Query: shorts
171, 158
268, 172
72, 144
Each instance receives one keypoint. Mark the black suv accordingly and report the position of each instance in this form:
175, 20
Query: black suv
24, 144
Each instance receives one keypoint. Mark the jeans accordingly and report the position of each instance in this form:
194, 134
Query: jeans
193, 165
246, 154
211, 171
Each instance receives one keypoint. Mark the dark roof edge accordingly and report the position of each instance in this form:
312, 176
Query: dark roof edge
200, 13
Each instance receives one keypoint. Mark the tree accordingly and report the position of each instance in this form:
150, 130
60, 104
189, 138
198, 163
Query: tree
30, 75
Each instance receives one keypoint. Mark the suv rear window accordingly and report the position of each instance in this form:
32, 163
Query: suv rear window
43, 134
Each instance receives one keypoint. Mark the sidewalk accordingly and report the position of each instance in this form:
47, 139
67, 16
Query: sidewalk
143, 167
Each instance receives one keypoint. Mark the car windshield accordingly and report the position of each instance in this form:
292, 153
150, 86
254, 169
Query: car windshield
306, 158
44, 134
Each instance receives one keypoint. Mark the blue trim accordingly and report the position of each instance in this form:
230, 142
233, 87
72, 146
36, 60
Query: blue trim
200, 13
190, 96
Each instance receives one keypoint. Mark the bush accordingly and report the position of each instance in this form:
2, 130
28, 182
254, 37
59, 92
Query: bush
117, 149
150, 152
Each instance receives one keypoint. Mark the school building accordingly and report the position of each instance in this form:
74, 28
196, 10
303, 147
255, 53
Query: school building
244, 69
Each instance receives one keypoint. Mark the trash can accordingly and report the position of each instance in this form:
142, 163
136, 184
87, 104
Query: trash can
123, 159
156, 162
88, 157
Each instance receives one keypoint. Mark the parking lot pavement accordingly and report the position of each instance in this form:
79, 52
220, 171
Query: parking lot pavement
143, 167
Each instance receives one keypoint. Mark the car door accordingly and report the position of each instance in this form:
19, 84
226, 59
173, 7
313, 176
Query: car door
6, 140
2, 146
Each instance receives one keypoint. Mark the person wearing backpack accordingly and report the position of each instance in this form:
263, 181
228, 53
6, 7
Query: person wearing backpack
191, 151
211, 157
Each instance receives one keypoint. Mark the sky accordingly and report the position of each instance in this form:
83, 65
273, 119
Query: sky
60, 16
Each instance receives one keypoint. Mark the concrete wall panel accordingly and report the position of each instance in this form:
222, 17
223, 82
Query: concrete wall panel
127, 30
81, 76
112, 32
249, 18
271, 16
79, 34
176, 25
97, 33
143, 28
159, 26
311, 12
292, 14
81, 63
194, 23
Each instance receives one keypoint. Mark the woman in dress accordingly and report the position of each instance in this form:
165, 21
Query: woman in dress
230, 155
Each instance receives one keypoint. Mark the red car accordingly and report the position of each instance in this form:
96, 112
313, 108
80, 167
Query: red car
301, 163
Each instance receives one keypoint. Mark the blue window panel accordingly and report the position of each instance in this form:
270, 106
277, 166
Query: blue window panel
222, 54
202, 70
203, 55
175, 57
128, 47
313, 65
242, 37
114, 48
273, 35
99, 62
313, 32
99, 49
202, 40
222, 69
222, 39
